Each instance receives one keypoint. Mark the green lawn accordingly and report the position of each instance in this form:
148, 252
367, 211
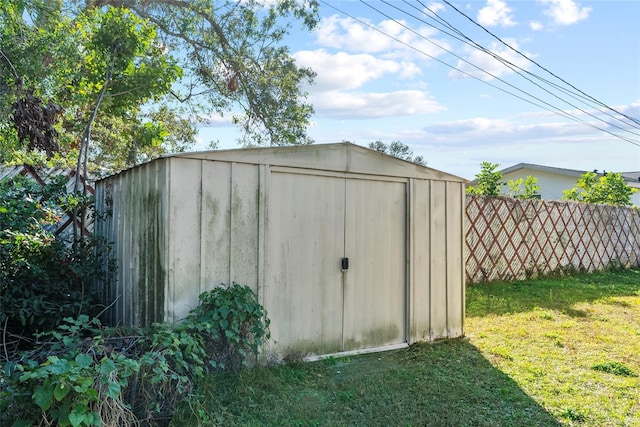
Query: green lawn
563, 351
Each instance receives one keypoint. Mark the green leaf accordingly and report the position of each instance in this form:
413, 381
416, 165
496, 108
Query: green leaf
60, 392
79, 414
107, 366
113, 390
76, 419
43, 397
224, 311
22, 423
84, 360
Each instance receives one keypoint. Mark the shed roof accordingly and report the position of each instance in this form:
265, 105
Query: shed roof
340, 157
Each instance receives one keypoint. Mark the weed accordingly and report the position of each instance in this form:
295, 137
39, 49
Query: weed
615, 368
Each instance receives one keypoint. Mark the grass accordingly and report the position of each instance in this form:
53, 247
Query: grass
549, 352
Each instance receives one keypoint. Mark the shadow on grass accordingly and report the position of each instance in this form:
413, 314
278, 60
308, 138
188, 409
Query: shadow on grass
558, 293
448, 383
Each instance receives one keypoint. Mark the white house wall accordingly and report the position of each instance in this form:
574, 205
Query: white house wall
551, 185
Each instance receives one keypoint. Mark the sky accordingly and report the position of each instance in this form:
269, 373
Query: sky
392, 71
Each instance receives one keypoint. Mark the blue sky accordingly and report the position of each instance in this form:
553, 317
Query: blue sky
371, 87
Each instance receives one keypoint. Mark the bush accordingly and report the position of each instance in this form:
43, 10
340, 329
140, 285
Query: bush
233, 324
43, 278
83, 374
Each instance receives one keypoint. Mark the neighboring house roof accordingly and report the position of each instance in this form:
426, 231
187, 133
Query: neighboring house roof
632, 178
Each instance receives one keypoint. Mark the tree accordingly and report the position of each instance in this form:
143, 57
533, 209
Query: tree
524, 188
205, 58
399, 150
103, 65
488, 180
609, 189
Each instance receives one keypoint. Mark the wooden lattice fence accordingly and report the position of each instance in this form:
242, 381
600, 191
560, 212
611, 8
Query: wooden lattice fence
64, 227
511, 239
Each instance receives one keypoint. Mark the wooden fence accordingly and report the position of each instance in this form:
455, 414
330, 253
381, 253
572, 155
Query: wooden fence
511, 239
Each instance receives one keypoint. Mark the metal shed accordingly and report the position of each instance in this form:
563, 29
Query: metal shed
348, 249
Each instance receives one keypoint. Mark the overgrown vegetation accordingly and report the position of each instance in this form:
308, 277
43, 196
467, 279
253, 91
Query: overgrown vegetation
136, 77
60, 366
83, 374
529, 360
44, 277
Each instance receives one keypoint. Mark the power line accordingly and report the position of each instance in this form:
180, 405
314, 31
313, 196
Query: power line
505, 62
538, 65
553, 109
463, 38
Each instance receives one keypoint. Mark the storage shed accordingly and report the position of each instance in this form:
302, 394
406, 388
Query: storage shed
347, 249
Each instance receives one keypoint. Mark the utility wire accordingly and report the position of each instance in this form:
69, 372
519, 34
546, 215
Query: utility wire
519, 70
537, 64
553, 109
505, 62
466, 40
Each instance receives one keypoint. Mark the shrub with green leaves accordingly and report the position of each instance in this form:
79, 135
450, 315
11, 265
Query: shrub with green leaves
43, 278
83, 374
608, 189
233, 323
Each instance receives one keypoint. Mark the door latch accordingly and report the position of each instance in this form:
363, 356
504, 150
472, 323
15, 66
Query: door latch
344, 264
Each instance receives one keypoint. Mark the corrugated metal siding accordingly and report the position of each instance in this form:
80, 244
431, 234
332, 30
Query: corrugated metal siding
134, 217
437, 269
184, 225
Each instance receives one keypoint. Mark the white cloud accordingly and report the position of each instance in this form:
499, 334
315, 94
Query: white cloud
495, 13
341, 71
565, 12
486, 62
434, 8
535, 26
345, 105
392, 39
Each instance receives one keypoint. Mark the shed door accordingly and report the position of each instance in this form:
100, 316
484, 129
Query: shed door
375, 284
314, 222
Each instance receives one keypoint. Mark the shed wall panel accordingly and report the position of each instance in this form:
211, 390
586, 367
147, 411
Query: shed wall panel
438, 264
420, 299
455, 258
133, 220
215, 236
184, 242
245, 200
375, 283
